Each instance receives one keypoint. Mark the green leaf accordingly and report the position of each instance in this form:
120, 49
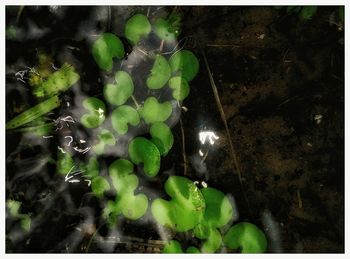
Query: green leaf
162, 137
213, 242
185, 210
192, 250
119, 93
65, 163
180, 87
92, 169
153, 111
33, 113
125, 182
246, 236
172, 247
122, 116
105, 138
13, 207
165, 31
58, 82
25, 222
96, 115
136, 28
142, 150
105, 48
99, 185
160, 73
185, 64
308, 12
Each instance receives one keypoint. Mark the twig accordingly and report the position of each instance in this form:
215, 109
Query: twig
19, 13
300, 202
183, 147
223, 116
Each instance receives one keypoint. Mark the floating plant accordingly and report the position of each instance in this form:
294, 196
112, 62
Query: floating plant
126, 203
119, 93
96, 115
105, 138
122, 116
185, 64
105, 48
65, 162
185, 210
137, 27
174, 247
168, 29
99, 185
218, 213
160, 73
162, 137
153, 111
247, 237
180, 87
13, 209
142, 150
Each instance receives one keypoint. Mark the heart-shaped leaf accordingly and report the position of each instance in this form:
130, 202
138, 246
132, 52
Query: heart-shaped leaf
165, 30
91, 169
160, 73
105, 48
218, 213
246, 236
125, 182
119, 93
162, 137
65, 163
192, 250
186, 208
142, 150
185, 64
105, 138
153, 111
136, 28
96, 115
122, 116
99, 185
180, 87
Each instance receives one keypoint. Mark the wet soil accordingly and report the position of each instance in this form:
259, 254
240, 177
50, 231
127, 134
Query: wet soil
281, 85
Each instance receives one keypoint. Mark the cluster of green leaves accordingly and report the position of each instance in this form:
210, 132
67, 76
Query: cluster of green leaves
204, 212
13, 208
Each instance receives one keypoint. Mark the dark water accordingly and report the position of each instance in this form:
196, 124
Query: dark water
251, 76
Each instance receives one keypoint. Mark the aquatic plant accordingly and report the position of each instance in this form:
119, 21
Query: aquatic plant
247, 237
105, 48
96, 112
13, 208
119, 93
137, 27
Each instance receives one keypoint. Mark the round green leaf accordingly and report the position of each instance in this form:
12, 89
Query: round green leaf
65, 163
246, 236
99, 185
96, 115
122, 116
172, 247
185, 63
219, 210
137, 27
92, 169
213, 242
142, 150
162, 137
180, 87
153, 111
165, 30
185, 210
105, 48
160, 73
119, 93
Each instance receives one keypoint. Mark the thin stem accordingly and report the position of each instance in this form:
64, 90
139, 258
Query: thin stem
135, 102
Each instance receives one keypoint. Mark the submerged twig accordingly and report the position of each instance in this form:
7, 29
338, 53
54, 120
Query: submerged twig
135, 102
223, 116
19, 13
183, 147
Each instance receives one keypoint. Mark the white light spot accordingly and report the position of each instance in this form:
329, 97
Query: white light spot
200, 153
204, 184
210, 135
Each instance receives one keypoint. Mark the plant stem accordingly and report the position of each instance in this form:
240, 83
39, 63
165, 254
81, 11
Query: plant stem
135, 102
